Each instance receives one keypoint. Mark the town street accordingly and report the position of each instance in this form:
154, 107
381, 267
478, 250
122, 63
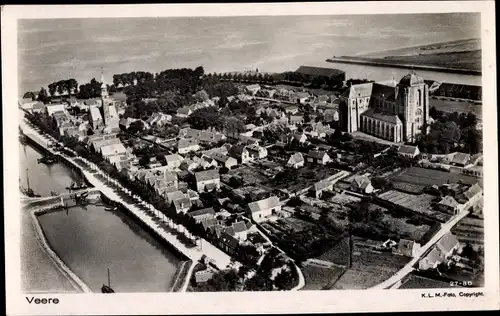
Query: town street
408, 268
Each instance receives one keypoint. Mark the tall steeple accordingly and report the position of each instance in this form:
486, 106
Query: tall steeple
104, 88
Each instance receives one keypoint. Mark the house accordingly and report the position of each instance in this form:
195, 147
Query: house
443, 250
208, 180
187, 145
471, 197
240, 230
171, 178
113, 149
252, 89
296, 161
432, 260
38, 107
174, 195
53, 108
296, 120
174, 160
261, 210
460, 159
184, 112
408, 151
224, 160
408, 248
95, 117
318, 157
228, 243
204, 162
297, 137
256, 151
321, 186
240, 153
189, 165
159, 119
362, 184
203, 276
448, 244
206, 215
182, 205
246, 140
331, 115
449, 205
301, 97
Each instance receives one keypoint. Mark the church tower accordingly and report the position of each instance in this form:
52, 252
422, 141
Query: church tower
413, 105
105, 100
110, 115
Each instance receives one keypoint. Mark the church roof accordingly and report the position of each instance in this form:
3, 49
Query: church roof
389, 118
383, 91
411, 80
359, 90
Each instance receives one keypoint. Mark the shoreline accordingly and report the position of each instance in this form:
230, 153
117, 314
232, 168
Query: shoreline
357, 61
142, 219
59, 263
75, 281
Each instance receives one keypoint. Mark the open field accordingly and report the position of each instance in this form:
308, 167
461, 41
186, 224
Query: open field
369, 266
318, 277
451, 106
470, 230
427, 177
298, 179
338, 254
401, 225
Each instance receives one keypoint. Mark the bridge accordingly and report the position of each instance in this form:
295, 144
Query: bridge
60, 199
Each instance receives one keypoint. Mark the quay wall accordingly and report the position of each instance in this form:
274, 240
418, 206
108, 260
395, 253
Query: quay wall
77, 283
348, 60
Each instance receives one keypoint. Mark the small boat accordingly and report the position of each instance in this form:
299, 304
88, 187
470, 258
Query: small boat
48, 160
107, 288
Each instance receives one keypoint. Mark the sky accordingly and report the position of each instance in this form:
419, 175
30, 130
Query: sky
54, 49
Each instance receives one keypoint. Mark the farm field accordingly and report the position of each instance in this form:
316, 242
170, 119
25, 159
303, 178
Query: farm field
298, 179
318, 277
470, 230
451, 106
338, 254
427, 177
369, 266
401, 225
418, 203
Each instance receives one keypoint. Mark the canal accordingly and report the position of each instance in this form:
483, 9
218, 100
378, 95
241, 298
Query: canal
90, 239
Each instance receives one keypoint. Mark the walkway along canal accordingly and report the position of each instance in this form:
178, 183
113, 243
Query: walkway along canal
88, 240
94, 176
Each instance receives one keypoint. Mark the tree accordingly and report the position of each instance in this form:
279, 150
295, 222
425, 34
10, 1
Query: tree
472, 140
29, 95
136, 127
202, 96
204, 118
43, 96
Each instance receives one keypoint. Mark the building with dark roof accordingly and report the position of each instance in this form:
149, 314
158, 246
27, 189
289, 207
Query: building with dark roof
388, 110
328, 75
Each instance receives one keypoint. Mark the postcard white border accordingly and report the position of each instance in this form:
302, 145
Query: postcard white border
248, 302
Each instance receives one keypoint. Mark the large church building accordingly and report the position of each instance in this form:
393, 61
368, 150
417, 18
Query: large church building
388, 110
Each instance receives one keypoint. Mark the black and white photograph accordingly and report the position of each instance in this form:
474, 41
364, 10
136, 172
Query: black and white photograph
253, 153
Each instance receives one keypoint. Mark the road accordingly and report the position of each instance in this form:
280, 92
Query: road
408, 268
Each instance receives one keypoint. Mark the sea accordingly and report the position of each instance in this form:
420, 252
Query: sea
55, 49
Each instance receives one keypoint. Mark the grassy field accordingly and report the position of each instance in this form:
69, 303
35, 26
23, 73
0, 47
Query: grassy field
298, 179
369, 266
338, 254
451, 106
319, 278
428, 177
401, 226
470, 230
